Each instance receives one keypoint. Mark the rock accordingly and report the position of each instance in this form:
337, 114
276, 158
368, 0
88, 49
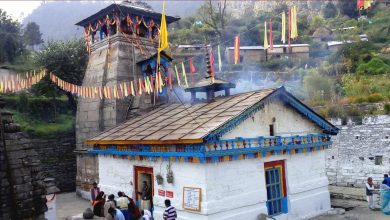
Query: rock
88, 214
336, 211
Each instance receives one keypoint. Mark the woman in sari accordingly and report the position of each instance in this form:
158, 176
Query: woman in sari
385, 197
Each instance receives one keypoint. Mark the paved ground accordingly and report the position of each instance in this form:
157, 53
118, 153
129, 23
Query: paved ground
69, 204
359, 211
350, 199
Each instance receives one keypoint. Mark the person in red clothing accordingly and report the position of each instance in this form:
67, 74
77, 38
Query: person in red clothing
95, 190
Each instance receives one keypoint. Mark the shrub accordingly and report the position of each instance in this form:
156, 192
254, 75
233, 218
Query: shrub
387, 108
375, 97
375, 66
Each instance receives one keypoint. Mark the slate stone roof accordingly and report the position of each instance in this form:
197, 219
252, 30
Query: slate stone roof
177, 123
125, 9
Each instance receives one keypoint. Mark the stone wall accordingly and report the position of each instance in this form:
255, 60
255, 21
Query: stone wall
58, 159
23, 193
359, 151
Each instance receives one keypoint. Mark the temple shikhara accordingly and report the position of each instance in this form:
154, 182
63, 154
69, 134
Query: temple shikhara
223, 156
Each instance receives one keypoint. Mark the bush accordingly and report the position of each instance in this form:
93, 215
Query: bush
330, 10
375, 97
375, 66
387, 108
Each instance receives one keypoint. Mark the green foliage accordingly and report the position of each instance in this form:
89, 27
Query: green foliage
386, 108
32, 35
68, 60
10, 40
317, 86
63, 124
378, 30
348, 8
366, 88
330, 10
375, 66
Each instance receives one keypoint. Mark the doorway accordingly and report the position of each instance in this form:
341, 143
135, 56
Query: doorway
142, 174
275, 183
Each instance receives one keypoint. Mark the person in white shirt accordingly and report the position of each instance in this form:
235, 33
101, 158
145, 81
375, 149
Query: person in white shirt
369, 193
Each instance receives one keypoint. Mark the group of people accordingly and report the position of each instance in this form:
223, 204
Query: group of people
124, 207
384, 189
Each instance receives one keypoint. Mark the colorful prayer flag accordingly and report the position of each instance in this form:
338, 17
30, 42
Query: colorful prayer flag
212, 64
192, 71
219, 60
283, 27
177, 76
236, 49
163, 36
271, 41
184, 74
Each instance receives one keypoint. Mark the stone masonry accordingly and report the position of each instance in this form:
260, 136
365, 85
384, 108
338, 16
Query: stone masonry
359, 152
96, 115
58, 159
23, 193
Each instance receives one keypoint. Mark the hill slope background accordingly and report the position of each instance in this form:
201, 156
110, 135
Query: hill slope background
57, 19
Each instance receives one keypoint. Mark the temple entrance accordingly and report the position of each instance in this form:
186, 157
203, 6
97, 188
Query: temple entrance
276, 187
141, 175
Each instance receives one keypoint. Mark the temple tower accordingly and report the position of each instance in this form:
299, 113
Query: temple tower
122, 40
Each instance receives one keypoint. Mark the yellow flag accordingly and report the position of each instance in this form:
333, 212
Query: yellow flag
283, 27
125, 89
219, 59
265, 36
146, 85
177, 76
184, 74
367, 4
163, 37
132, 88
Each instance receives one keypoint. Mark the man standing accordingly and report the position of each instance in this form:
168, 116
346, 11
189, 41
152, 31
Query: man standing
369, 194
95, 190
170, 211
146, 195
123, 204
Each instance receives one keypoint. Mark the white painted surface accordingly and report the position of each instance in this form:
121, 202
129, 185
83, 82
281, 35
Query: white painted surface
230, 190
287, 122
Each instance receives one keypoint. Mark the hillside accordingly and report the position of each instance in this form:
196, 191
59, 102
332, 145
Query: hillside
57, 19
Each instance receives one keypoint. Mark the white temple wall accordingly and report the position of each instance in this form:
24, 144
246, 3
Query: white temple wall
287, 122
230, 190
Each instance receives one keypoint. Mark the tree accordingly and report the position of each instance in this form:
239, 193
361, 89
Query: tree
66, 59
31, 34
215, 16
10, 40
348, 8
330, 10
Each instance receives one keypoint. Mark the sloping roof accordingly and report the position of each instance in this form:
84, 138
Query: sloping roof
125, 10
177, 123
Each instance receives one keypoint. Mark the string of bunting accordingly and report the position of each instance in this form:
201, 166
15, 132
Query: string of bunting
12, 84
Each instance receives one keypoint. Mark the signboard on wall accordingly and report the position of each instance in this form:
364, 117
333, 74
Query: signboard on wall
161, 192
191, 198
169, 194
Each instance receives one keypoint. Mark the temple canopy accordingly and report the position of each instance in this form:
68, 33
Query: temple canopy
125, 8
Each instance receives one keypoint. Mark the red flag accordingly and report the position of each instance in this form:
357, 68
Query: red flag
212, 63
192, 71
236, 49
170, 79
271, 41
360, 4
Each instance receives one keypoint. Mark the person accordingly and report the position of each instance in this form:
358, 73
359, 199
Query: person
145, 196
132, 209
170, 211
369, 193
94, 191
385, 197
98, 204
146, 215
116, 214
123, 204
111, 203
387, 179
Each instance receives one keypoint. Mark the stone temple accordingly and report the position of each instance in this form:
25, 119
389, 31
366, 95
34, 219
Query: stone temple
122, 38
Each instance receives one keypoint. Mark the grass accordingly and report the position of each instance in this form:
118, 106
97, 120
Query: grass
63, 124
